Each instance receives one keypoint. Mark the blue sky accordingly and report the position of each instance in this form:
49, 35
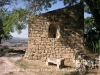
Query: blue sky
24, 33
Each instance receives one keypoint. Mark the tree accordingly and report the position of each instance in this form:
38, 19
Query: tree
93, 7
14, 21
2, 13
92, 35
1, 30
11, 21
92, 40
36, 6
4, 2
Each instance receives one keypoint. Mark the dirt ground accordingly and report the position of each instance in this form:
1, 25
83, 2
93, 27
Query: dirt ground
14, 64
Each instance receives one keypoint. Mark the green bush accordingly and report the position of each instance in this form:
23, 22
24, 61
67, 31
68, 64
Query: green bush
92, 42
5, 49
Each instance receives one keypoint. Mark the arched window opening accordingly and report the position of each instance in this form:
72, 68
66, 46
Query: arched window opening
53, 31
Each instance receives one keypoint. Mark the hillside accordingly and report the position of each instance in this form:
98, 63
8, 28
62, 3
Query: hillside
16, 43
16, 39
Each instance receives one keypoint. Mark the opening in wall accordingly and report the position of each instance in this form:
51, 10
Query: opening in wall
53, 31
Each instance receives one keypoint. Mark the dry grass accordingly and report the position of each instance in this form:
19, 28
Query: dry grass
40, 68
1, 62
22, 64
10, 73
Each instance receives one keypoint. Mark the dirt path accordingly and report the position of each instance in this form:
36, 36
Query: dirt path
8, 67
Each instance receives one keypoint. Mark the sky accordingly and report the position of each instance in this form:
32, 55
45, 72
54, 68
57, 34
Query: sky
24, 33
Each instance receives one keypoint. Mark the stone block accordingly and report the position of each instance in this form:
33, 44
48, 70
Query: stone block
42, 47
38, 58
42, 35
34, 47
30, 57
36, 32
57, 51
48, 46
59, 62
35, 57
43, 59
40, 51
43, 54
37, 38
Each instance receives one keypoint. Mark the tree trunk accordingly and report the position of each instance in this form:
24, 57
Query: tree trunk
0, 40
95, 11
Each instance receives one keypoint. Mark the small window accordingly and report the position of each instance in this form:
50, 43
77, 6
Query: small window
53, 31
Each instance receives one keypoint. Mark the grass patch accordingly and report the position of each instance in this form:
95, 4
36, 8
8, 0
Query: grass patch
11, 73
30, 64
22, 64
1, 62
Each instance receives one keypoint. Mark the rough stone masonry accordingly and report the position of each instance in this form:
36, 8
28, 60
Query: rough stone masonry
58, 34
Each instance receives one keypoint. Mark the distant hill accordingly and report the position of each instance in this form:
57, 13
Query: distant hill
14, 39
16, 43
17, 38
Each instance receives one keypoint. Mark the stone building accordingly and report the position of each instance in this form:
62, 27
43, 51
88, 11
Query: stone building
57, 33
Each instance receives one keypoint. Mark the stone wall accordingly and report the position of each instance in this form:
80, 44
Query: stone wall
67, 38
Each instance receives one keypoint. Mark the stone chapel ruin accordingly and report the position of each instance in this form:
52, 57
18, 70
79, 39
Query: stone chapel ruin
57, 33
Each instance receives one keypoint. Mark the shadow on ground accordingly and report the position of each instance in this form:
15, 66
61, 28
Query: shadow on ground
8, 52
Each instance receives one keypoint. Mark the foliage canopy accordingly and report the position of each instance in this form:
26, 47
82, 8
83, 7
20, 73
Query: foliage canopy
11, 21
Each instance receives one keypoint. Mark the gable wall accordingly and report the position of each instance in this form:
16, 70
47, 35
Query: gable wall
70, 22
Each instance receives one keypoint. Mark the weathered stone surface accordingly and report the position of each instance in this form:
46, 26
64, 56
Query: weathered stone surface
59, 62
68, 23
